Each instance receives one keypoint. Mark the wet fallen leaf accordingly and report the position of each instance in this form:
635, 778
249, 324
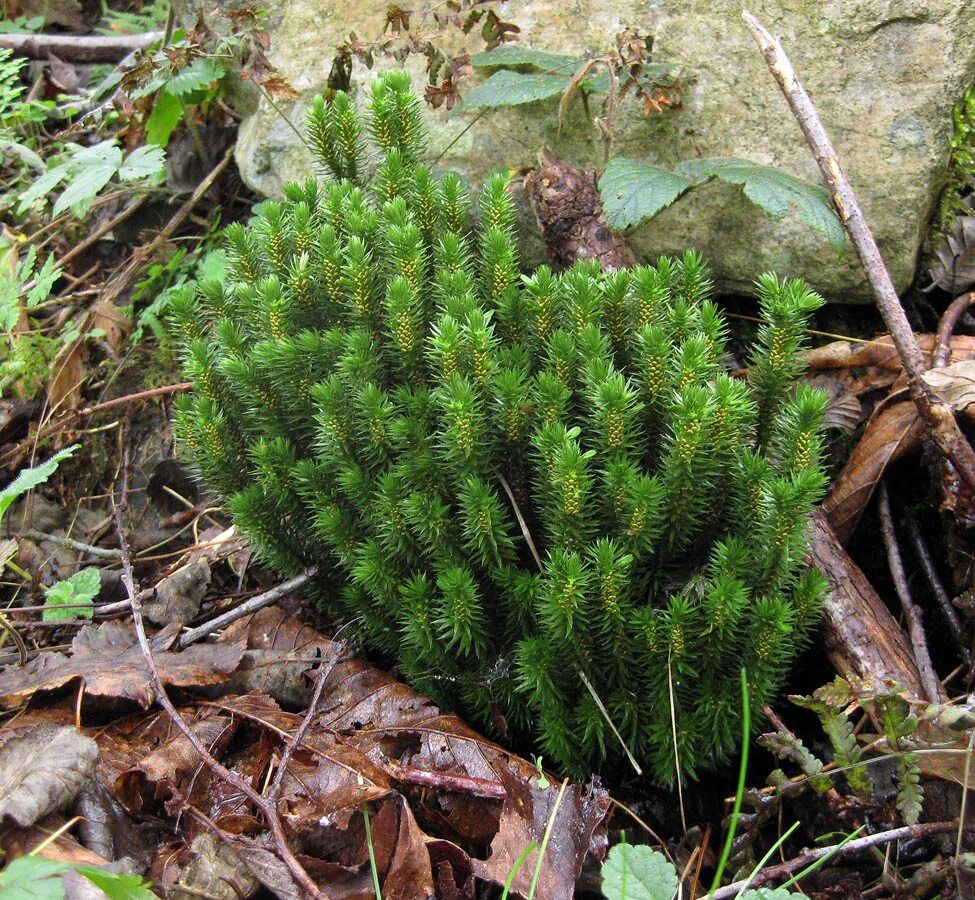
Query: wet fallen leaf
953, 266
178, 596
108, 658
215, 871
892, 431
162, 773
43, 771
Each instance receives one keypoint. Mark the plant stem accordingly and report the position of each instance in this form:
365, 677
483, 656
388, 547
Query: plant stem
937, 415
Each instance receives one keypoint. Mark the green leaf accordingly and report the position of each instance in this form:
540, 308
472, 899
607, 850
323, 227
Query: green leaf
633, 191
508, 55
507, 88
43, 282
42, 185
80, 588
144, 162
163, 120
635, 872
198, 74
33, 878
91, 172
117, 886
28, 479
775, 191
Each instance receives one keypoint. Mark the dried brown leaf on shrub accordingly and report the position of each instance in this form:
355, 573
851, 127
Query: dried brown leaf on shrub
43, 771
108, 658
892, 431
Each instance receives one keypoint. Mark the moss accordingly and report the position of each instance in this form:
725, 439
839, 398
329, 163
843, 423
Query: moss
961, 164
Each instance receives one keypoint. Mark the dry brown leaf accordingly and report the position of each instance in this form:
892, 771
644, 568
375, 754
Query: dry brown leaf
43, 771
70, 368
953, 266
892, 431
108, 658
161, 774
955, 384
109, 318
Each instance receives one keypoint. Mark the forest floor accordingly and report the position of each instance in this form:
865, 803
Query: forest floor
226, 741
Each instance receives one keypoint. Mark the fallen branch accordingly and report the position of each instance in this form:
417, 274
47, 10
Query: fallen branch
850, 848
937, 415
946, 327
79, 48
268, 598
915, 624
267, 807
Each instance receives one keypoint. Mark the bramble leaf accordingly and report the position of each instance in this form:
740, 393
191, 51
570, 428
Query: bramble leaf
507, 88
633, 191
76, 593
775, 191
29, 479
143, 162
508, 55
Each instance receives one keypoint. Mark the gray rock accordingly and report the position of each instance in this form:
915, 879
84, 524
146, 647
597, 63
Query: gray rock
884, 74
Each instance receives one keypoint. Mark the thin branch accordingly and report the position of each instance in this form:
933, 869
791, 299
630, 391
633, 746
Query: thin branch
850, 848
937, 415
946, 327
248, 607
268, 809
79, 48
915, 624
72, 544
948, 611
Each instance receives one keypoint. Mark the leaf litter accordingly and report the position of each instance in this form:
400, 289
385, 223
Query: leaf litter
447, 808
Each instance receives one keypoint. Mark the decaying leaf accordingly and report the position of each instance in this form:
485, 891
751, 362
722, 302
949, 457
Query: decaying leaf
108, 658
953, 268
893, 430
43, 771
955, 384
178, 596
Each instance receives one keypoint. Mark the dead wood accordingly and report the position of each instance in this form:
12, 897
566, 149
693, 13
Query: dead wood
570, 215
75, 48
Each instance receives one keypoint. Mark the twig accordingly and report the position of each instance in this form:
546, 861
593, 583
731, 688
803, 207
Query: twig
79, 48
915, 625
937, 415
71, 414
267, 809
857, 845
941, 595
248, 607
946, 327
295, 740
72, 544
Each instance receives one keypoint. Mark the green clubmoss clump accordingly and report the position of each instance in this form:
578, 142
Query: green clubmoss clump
510, 481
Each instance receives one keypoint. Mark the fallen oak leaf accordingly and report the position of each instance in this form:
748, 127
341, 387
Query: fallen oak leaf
108, 659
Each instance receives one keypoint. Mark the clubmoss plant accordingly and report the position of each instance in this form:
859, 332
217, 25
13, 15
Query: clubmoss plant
510, 480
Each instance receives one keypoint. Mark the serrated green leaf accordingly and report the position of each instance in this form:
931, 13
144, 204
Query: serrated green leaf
44, 281
633, 191
28, 479
72, 598
198, 74
636, 872
91, 171
507, 88
117, 886
42, 185
775, 191
143, 162
33, 878
508, 55
163, 119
